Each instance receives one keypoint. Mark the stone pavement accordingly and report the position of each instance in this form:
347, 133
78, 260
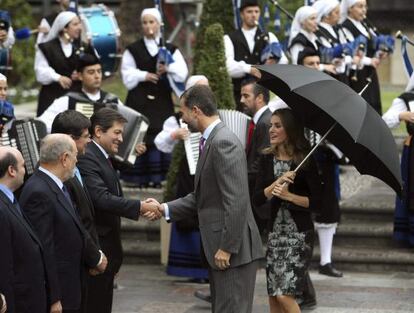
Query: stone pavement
147, 289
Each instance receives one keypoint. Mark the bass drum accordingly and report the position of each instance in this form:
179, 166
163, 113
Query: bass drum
102, 31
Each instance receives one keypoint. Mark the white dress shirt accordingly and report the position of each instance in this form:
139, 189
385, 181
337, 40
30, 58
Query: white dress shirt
45, 74
163, 141
258, 114
132, 76
238, 69
62, 104
9, 42
392, 116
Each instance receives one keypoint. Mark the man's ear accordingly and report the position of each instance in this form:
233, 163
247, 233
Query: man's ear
11, 171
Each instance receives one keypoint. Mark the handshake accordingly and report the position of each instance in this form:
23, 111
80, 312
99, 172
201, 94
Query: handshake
151, 209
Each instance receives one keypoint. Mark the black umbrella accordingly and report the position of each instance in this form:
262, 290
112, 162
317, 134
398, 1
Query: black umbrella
322, 102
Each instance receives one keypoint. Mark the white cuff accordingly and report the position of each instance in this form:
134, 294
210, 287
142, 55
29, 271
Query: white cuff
166, 212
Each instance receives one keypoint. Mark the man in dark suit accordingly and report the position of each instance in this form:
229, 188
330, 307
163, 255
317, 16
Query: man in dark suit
22, 271
105, 190
48, 206
77, 125
254, 99
230, 238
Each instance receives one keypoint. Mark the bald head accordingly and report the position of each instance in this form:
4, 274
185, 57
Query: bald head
53, 146
12, 169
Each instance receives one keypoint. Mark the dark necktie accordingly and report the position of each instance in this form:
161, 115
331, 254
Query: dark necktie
66, 193
201, 144
250, 134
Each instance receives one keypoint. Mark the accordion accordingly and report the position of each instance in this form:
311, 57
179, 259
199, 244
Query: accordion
134, 131
25, 135
236, 121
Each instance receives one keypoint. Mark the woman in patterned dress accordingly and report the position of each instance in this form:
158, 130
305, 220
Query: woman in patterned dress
291, 197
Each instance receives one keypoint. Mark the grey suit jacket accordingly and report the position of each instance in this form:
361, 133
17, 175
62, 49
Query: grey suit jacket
221, 201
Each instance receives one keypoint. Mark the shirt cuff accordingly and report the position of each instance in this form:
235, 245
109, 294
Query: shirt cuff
100, 259
166, 212
247, 68
55, 77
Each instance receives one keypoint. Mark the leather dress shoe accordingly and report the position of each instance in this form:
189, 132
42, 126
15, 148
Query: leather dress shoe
329, 270
203, 295
308, 304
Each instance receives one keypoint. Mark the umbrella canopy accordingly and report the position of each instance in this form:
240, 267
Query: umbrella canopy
320, 101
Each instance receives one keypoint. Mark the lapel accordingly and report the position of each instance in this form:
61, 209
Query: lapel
60, 197
107, 168
206, 150
21, 218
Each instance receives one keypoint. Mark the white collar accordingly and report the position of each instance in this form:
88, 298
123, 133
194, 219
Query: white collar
102, 149
210, 128
258, 114
329, 28
52, 176
92, 96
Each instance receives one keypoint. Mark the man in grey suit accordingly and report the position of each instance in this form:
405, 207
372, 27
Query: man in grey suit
230, 238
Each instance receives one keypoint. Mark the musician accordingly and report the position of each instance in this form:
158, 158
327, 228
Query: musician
104, 187
22, 269
353, 14
56, 59
149, 85
255, 98
331, 34
77, 125
6, 31
184, 253
401, 110
89, 72
6, 109
302, 35
48, 206
239, 56
47, 22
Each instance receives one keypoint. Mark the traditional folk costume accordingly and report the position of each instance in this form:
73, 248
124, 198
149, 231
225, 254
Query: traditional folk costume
152, 100
404, 207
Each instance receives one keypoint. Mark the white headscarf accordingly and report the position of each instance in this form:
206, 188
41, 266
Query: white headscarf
60, 22
324, 7
301, 15
193, 80
2, 77
345, 5
153, 12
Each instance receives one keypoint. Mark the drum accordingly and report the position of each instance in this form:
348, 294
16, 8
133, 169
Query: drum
101, 29
5, 61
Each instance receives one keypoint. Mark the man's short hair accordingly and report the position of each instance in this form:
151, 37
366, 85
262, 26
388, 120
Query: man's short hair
85, 60
9, 159
248, 3
51, 147
307, 52
105, 119
257, 88
70, 122
202, 97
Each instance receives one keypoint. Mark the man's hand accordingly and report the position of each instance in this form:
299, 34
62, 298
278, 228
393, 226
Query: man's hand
65, 82
3, 35
99, 269
149, 209
375, 62
255, 72
330, 68
222, 259
56, 307
42, 29
4, 307
162, 69
180, 134
152, 78
140, 149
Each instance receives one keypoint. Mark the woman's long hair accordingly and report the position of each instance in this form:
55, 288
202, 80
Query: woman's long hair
296, 145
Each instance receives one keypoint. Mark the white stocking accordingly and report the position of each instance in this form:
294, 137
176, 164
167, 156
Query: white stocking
325, 234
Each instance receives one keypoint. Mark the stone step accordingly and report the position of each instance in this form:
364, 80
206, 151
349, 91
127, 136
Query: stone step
141, 229
370, 259
138, 251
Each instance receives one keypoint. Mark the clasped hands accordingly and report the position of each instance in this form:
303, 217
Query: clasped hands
279, 188
151, 209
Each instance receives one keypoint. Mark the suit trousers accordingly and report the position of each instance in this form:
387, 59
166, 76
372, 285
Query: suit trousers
100, 292
232, 290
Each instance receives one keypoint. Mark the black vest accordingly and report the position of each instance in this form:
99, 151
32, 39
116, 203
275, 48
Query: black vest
241, 47
407, 97
324, 33
355, 32
302, 40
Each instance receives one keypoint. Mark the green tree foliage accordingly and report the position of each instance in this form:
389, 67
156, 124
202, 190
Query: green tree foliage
214, 11
22, 74
213, 65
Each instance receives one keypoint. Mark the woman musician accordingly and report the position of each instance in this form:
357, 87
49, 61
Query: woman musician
353, 14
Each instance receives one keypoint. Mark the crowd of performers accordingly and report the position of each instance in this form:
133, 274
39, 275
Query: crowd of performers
329, 36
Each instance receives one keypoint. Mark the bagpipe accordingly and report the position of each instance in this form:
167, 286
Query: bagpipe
164, 56
406, 60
